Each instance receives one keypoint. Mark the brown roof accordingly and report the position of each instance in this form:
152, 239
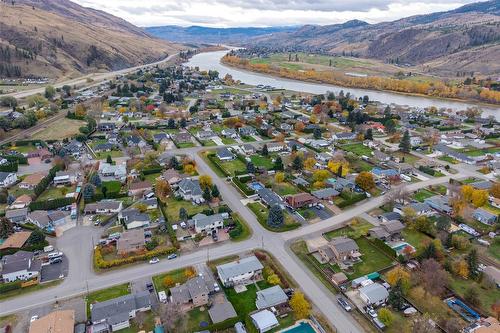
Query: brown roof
131, 240
488, 325
16, 240
34, 179
140, 185
23, 199
55, 322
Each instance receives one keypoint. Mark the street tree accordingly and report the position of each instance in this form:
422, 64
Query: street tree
275, 218
405, 145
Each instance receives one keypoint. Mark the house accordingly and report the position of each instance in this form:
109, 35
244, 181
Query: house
194, 291
132, 219
131, 241
344, 136
439, 203
7, 179
385, 173
248, 149
240, 272
61, 321
117, 312
415, 141
171, 176
482, 185
39, 218
64, 178
420, 208
340, 249
387, 230
443, 149
160, 137
274, 147
380, 156
325, 193
16, 240
17, 215
229, 133
150, 203
106, 127
269, 198
118, 171
483, 325
269, 297
484, 216
73, 148
182, 137
341, 183
264, 321
103, 207
373, 294
135, 141
300, 181
189, 189
21, 265
206, 135
138, 188
247, 131
104, 147
204, 223
31, 181
221, 311
224, 154
300, 200
21, 202
390, 216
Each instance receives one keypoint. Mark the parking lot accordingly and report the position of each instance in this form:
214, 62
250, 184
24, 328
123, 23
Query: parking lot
51, 272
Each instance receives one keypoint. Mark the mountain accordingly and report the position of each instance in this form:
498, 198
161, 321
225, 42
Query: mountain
464, 39
197, 34
61, 39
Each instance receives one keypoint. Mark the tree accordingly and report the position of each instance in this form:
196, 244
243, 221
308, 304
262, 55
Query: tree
390, 126
472, 263
207, 195
466, 192
250, 167
495, 190
273, 279
162, 189
50, 92
265, 151
278, 163
6, 228
443, 223
461, 269
88, 191
96, 180
215, 191
432, 277
472, 296
183, 214
300, 306
168, 281
385, 315
109, 159
297, 163
479, 198
189, 272
309, 163
405, 145
36, 237
279, 177
396, 299
205, 181
369, 134
321, 175
9, 101
317, 133
275, 218
398, 275
365, 180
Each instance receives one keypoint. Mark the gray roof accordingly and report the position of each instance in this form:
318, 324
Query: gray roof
133, 215
4, 175
375, 292
16, 213
270, 297
191, 186
483, 215
117, 310
201, 220
482, 185
325, 193
343, 244
19, 261
40, 216
269, 197
224, 153
221, 311
419, 206
189, 290
236, 268
391, 216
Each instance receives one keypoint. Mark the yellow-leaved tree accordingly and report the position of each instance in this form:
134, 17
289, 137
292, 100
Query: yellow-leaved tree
300, 306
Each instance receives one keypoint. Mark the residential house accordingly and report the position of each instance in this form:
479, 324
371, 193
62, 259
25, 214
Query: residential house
17, 215
117, 312
224, 154
264, 321
247, 131
21, 265
64, 178
344, 136
274, 147
31, 181
325, 193
387, 230
229, 133
149, 203
340, 250
221, 311
300, 181
132, 218
110, 171
21, 202
183, 137
204, 223
104, 147
341, 183
385, 173
135, 141
240, 272
195, 290
482, 185
485, 216
270, 297
190, 190
443, 149
381, 156
270, 198
106, 127
439, 203
60, 321
7, 179
390, 216
206, 135
248, 149
300, 200
138, 188
73, 148
171, 176
16, 240
103, 207
131, 241
420, 208
374, 294
160, 138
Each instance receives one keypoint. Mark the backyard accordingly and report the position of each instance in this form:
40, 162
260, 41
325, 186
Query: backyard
373, 259
234, 166
106, 294
357, 148
173, 205
261, 161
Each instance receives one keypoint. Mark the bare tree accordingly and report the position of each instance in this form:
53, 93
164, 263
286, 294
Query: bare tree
398, 194
424, 324
433, 277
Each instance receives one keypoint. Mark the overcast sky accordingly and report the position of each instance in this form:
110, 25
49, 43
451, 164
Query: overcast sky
237, 13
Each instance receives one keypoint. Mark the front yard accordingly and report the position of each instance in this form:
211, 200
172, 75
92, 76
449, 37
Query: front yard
262, 212
173, 277
106, 294
173, 206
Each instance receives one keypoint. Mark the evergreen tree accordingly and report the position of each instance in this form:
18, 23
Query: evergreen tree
6, 228
317, 133
206, 194
405, 144
472, 263
396, 299
265, 152
215, 191
276, 217
369, 134
297, 163
88, 191
109, 159
183, 123
183, 214
278, 164
96, 180
390, 126
250, 167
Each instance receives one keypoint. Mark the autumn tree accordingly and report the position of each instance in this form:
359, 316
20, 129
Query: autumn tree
433, 277
461, 269
189, 272
479, 198
385, 315
321, 175
399, 275
279, 177
309, 163
466, 191
495, 190
300, 306
205, 181
162, 189
472, 296
365, 180
168, 281
273, 279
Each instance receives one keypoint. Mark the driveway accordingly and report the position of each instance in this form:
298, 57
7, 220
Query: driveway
52, 272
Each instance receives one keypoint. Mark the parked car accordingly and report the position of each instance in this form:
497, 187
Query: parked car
33, 318
55, 260
154, 261
344, 304
172, 256
372, 313
150, 287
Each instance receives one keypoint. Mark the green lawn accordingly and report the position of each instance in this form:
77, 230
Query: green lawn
104, 155
173, 205
152, 177
415, 238
373, 259
55, 192
113, 186
233, 166
494, 249
228, 141
106, 294
248, 139
16, 191
408, 158
448, 159
245, 229
261, 161
148, 324
195, 317
353, 230
262, 212
177, 276
423, 194
488, 297
481, 152
285, 189
358, 149
185, 145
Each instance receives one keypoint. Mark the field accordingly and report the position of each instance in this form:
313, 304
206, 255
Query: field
107, 294
61, 129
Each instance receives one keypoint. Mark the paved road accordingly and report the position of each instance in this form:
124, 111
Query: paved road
78, 244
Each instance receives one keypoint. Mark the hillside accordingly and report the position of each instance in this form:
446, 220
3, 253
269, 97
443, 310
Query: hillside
60, 39
197, 34
462, 40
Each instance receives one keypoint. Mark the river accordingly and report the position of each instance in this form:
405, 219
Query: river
211, 61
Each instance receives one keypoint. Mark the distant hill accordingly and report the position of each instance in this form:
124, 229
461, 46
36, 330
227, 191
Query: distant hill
465, 39
59, 39
197, 34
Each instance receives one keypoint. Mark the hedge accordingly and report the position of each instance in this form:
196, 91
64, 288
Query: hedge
216, 163
5, 287
51, 204
350, 201
42, 186
20, 159
383, 247
9, 167
243, 187
427, 170
99, 261
151, 171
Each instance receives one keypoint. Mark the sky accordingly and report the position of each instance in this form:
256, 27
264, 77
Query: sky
260, 13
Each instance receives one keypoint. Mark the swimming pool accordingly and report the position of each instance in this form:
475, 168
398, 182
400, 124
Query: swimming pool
400, 247
255, 186
301, 328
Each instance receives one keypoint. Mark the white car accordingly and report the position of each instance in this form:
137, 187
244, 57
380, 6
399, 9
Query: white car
35, 317
154, 261
372, 313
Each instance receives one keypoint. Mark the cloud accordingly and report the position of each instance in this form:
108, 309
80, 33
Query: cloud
233, 13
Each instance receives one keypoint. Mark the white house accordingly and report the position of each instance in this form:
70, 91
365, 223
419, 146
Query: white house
204, 223
20, 266
243, 271
7, 179
374, 294
264, 321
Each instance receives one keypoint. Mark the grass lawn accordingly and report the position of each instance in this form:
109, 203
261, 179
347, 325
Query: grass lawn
423, 194
262, 212
408, 158
358, 149
22, 149
195, 317
448, 159
147, 326
112, 186
481, 152
488, 297
107, 294
27, 290
104, 155
491, 209
353, 230
261, 161
16, 191
185, 145
62, 129
494, 249
233, 166
245, 229
212, 164
228, 141
152, 177
208, 143
55, 192
173, 205
285, 189
177, 276
373, 259
415, 238
248, 139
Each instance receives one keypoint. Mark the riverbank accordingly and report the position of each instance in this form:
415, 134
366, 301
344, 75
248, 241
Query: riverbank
331, 78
